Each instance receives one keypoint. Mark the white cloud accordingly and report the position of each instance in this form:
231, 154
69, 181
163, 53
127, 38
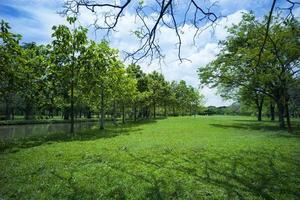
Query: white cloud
205, 50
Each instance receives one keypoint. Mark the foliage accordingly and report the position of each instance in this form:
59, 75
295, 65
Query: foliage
240, 69
73, 76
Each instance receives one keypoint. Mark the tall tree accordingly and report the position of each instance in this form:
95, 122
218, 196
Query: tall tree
142, 97
68, 45
10, 60
156, 87
98, 61
240, 65
32, 72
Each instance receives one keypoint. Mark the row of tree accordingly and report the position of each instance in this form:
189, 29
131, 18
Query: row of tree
74, 76
259, 68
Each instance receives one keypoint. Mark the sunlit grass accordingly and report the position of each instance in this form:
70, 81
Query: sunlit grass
175, 158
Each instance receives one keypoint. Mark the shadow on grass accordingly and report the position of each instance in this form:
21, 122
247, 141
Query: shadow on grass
246, 120
197, 174
14, 145
247, 174
171, 174
262, 126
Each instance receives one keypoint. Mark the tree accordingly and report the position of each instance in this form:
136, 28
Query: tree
68, 45
240, 67
295, 99
10, 60
32, 77
123, 87
182, 97
142, 96
194, 99
156, 87
250, 96
98, 61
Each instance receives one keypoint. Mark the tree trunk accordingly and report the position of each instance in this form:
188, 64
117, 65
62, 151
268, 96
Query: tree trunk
13, 113
154, 110
287, 113
72, 107
89, 114
123, 113
66, 113
114, 113
259, 114
281, 115
272, 111
259, 105
28, 112
134, 113
102, 110
7, 109
165, 111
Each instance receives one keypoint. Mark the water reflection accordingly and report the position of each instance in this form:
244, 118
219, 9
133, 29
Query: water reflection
15, 131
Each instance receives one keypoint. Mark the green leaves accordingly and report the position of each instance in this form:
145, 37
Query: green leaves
75, 71
240, 65
71, 20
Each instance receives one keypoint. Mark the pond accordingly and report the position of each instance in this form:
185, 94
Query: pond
19, 131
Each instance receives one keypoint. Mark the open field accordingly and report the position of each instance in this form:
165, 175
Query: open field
176, 158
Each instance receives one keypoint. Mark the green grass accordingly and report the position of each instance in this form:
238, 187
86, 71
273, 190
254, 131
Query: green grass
176, 158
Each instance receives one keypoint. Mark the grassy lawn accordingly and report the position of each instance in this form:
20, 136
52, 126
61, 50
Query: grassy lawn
176, 158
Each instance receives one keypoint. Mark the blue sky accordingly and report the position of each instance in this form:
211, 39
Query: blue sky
35, 18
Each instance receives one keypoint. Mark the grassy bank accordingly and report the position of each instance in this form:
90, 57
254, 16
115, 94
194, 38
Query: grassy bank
176, 158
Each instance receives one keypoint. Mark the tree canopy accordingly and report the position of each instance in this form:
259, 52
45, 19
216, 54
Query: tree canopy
241, 69
74, 76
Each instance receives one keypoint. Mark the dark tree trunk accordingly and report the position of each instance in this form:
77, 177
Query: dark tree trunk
281, 115
72, 106
7, 110
123, 113
28, 112
259, 114
51, 112
147, 112
89, 114
12, 113
114, 113
259, 105
272, 111
144, 112
102, 109
66, 113
287, 113
165, 111
134, 113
